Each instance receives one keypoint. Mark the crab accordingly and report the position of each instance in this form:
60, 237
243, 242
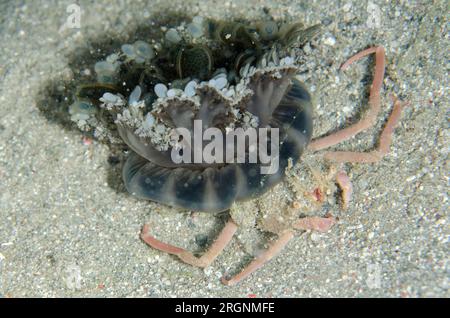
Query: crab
289, 224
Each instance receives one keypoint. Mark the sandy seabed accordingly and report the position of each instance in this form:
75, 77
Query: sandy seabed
68, 228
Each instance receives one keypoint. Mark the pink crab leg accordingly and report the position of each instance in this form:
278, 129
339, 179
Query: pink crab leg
383, 146
346, 186
374, 102
394, 118
307, 223
206, 259
259, 261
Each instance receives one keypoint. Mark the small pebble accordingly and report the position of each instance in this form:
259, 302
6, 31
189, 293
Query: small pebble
330, 40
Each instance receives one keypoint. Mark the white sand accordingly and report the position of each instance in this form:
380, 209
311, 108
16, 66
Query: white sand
67, 228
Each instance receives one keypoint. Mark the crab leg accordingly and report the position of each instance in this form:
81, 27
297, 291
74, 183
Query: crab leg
374, 103
307, 223
206, 259
383, 146
259, 261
